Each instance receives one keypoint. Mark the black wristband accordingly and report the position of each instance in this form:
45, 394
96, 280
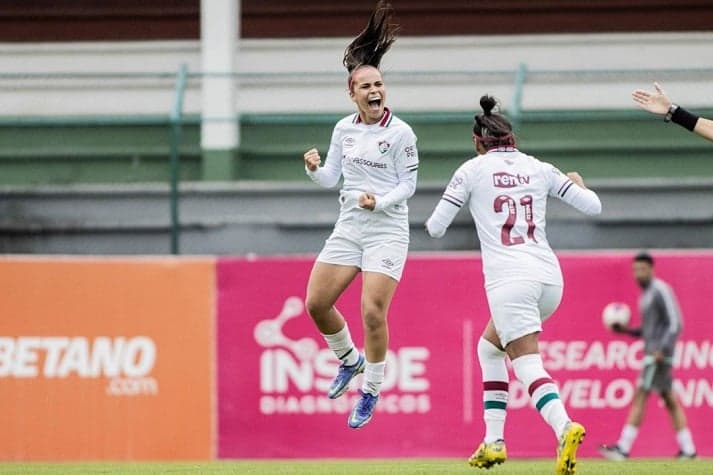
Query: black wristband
684, 118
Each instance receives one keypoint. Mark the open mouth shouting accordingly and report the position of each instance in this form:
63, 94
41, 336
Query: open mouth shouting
374, 103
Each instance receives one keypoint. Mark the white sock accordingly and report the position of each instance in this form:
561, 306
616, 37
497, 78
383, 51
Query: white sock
342, 345
495, 389
685, 441
543, 391
627, 438
373, 377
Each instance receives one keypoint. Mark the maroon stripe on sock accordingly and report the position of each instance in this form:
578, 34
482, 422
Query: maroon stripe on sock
537, 383
495, 386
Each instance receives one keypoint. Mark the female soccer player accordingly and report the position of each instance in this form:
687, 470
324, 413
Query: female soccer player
507, 192
376, 154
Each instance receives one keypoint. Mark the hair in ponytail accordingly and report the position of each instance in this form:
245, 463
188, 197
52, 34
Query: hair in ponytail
491, 128
373, 42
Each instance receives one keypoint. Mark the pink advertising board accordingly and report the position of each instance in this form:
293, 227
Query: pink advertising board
273, 366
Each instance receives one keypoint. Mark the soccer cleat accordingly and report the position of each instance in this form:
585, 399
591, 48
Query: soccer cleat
364, 409
346, 373
570, 440
488, 455
681, 455
613, 452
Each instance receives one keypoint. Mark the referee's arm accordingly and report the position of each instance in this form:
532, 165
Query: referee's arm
657, 102
704, 128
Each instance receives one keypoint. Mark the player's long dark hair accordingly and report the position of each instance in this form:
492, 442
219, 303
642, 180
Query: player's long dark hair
492, 129
374, 41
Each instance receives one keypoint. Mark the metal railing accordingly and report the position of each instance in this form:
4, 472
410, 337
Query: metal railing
175, 120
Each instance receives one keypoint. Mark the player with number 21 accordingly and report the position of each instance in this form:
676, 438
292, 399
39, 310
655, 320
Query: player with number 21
506, 192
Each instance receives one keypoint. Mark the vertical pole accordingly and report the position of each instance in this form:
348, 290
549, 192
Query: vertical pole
220, 20
516, 114
176, 125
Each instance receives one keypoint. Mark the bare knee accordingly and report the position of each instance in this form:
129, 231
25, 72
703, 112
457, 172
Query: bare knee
374, 317
317, 308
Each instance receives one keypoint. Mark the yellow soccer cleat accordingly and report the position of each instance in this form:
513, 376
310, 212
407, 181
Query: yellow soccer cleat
488, 455
570, 440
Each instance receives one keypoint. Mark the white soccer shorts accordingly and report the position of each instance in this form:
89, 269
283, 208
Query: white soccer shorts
519, 307
371, 241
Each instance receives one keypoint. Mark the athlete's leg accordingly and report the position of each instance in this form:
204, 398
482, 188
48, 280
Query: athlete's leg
326, 284
377, 291
633, 422
523, 349
529, 369
491, 357
524, 352
683, 435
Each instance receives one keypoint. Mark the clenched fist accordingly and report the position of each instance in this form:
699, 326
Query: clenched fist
312, 160
577, 178
367, 201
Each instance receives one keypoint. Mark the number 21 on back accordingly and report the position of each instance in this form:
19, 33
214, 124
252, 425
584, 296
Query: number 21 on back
507, 204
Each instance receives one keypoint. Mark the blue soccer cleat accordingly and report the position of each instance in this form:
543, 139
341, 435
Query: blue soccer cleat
345, 375
364, 409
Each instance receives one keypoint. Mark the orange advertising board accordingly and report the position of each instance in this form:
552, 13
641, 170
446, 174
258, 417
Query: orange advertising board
106, 358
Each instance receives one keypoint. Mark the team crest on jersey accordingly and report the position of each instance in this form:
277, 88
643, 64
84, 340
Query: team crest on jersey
384, 146
348, 142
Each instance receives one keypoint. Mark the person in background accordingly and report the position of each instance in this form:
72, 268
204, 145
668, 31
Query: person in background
661, 323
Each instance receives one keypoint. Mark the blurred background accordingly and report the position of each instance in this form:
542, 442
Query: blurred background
103, 102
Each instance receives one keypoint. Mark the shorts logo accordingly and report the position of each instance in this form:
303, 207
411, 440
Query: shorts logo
506, 180
388, 263
384, 146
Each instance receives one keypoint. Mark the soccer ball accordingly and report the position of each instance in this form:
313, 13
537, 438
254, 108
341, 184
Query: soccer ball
616, 313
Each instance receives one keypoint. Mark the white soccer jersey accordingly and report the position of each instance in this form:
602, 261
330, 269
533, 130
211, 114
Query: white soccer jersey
507, 192
380, 158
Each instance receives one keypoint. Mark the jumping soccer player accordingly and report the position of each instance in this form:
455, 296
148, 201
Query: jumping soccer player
660, 326
376, 154
507, 193
657, 102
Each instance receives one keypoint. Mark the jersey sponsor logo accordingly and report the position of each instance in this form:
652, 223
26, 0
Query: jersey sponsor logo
127, 363
365, 163
508, 180
410, 151
295, 374
348, 142
384, 146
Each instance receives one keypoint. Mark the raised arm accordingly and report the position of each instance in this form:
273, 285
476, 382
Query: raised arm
657, 102
327, 176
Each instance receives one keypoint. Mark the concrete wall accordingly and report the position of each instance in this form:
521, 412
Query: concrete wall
284, 218
582, 71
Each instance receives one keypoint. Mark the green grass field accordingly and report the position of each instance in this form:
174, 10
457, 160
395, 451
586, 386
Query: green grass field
364, 467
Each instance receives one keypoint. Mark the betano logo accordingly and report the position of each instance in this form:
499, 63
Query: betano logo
295, 374
126, 362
